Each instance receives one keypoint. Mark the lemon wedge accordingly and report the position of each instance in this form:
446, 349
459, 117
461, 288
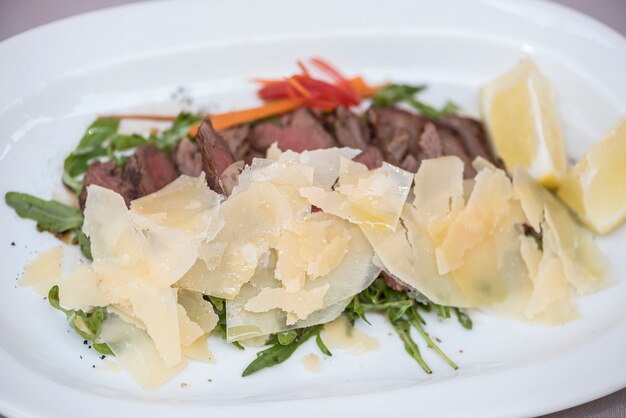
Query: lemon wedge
595, 188
522, 120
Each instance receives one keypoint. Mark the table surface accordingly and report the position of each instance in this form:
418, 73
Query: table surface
19, 15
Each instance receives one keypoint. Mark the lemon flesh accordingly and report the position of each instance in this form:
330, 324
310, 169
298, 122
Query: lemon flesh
522, 119
595, 188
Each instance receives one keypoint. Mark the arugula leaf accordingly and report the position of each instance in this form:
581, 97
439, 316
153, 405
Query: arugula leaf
83, 242
401, 309
320, 343
50, 215
354, 311
463, 318
392, 94
403, 328
91, 146
278, 353
417, 321
286, 337
87, 325
178, 130
126, 142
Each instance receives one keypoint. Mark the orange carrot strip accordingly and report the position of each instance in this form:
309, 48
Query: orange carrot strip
222, 121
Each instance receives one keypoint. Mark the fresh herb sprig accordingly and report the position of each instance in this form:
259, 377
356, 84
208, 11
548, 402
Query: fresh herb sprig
283, 345
86, 324
102, 140
403, 313
392, 94
51, 216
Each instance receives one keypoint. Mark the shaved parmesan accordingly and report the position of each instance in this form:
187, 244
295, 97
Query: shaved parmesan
253, 220
187, 204
199, 350
80, 289
158, 310
199, 310
438, 188
408, 254
298, 305
551, 300
136, 353
326, 162
44, 271
370, 198
488, 204
189, 330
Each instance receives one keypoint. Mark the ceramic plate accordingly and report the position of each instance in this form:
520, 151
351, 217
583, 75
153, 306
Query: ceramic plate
152, 57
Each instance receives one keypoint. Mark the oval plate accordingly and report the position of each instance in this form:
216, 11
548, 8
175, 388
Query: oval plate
153, 57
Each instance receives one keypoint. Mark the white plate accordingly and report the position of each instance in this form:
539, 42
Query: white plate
55, 79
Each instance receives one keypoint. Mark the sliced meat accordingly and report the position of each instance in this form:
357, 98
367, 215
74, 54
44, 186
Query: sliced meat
187, 158
410, 163
264, 134
107, 175
230, 177
251, 155
471, 133
299, 131
395, 131
350, 129
453, 145
393, 283
371, 157
216, 155
430, 145
236, 138
148, 170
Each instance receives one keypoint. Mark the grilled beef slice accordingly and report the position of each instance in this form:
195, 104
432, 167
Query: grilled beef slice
148, 170
297, 131
187, 158
107, 175
351, 130
371, 157
216, 156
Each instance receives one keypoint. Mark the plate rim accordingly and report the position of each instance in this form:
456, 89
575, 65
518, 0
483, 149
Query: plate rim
614, 334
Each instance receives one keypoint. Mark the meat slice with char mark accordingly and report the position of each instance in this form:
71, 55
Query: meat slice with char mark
148, 170
395, 132
108, 175
297, 131
187, 158
351, 130
216, 156
371, 157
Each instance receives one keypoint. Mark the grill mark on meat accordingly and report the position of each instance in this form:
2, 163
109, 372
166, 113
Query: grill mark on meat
230, 177
107, 175
410, 163
216, 155
148, 170
350, 129
453, 145
472, 135
237, 140
430, 143
393, 283
371, 157
299, 131
187, 158
395, 131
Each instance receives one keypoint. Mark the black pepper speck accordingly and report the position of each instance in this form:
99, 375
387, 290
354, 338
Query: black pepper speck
12, 243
